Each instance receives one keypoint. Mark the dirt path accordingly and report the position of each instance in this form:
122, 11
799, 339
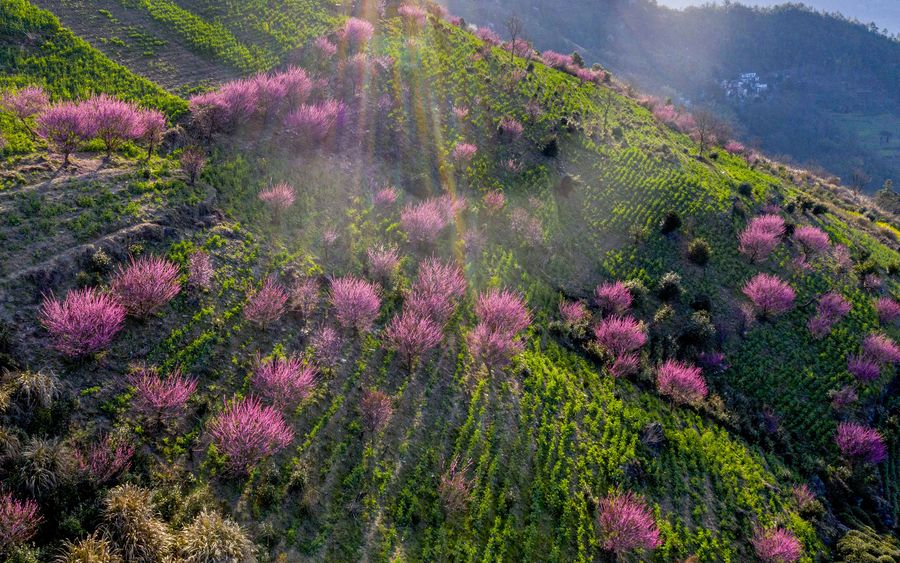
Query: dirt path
131, 37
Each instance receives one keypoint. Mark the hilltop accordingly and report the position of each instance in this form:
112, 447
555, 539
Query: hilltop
361, 298
832, 83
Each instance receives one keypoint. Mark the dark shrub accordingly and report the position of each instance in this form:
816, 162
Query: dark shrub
698, 331
745, 189
550, 148
699, 252
819, 209
669, 286
670, 223
701, 302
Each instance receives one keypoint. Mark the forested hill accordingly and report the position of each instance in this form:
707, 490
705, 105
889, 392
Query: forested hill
834, 84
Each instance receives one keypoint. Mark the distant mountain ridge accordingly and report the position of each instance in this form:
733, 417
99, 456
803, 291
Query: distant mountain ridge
884, 13
838, 83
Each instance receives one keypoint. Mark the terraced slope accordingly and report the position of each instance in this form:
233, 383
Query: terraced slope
131, 36
37, 50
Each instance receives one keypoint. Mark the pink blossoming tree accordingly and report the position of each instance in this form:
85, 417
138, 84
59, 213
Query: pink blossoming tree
267, 305
64, 126
161, 398
200, 270
423, 222
247, 431
279, 198
19, 520
776, 546
356, 303
502, 316
85, 322
769, 295
627, 524
104, 460
761, 236
146, 285
24, 104
613, 298
831, 309
682, 382
812, 240
860, 443
620, 337
376, 410
412, 335
285, 382
888, 310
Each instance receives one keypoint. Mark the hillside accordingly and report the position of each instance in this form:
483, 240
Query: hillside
832, 83
400, 171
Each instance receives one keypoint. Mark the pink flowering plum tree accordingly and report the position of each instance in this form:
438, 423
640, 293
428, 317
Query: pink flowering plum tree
356, 303
776, 545
279, 198
575, 315
510, 129
64, 126
831, 309
880, 349
423, 222
266, 305
681, 382
200, 270
25, 103
436, 291
863, 369
326, 344
159, 398
357, 32
463, 153
384, 264
303, 297
613, 298
888, 310
326, 49
493, 201
769, 295
151, 128
83, 323
247, 431
414, 16
734, 147
284, 382
19, 520
385, 197
502, 316
412, 335
113, 121
104, 460
877, 350
557, 60
146, 285
312, 124
620, 337
626, 524
488, 35
455, 487
814, 241
761, 237
860, 443
192, 162
376, 410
